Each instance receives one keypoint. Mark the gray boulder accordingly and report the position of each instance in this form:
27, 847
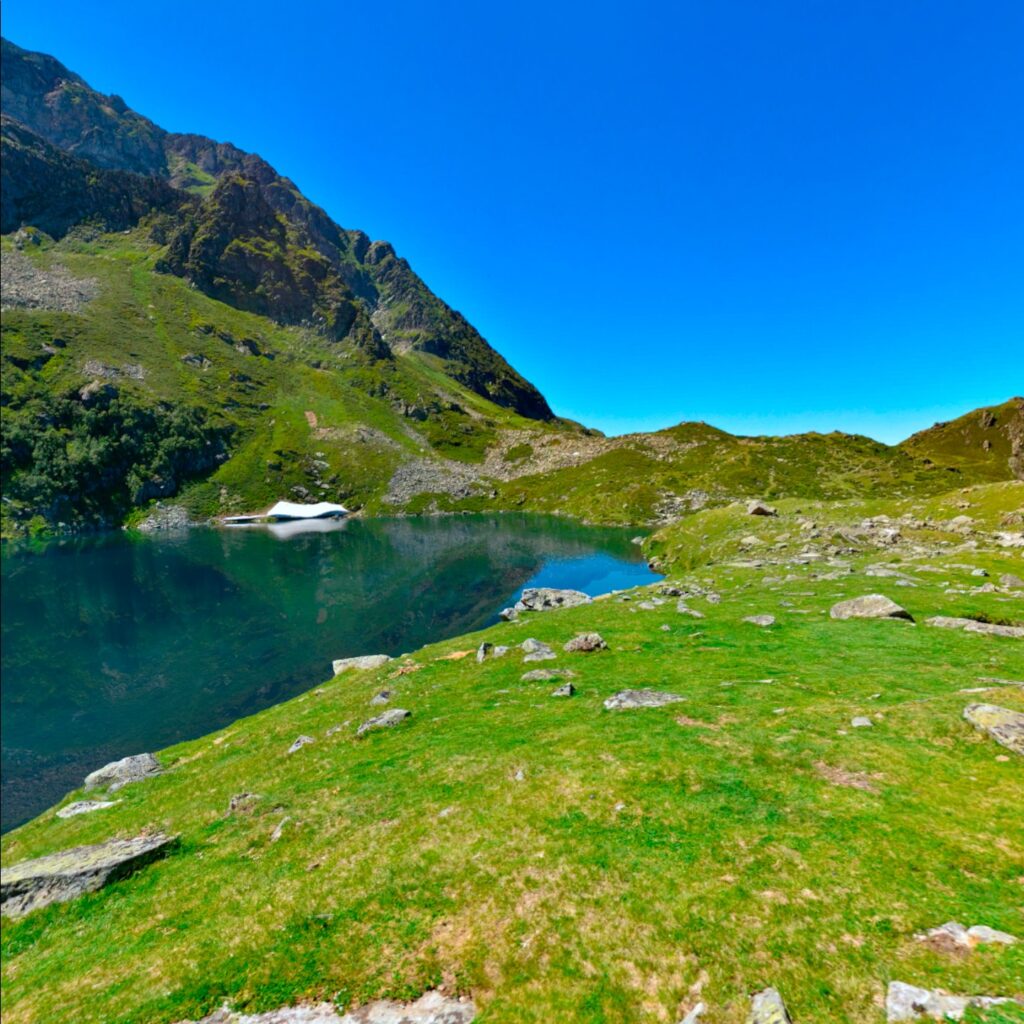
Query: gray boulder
542, 599
908, 1002
684, 609
84, 807
871, 606
1008, 579
759, 508
767, 1007
386, 720
383, 697
627, 699
566, 690
953, 934
760, 620
120, 773
585, 642
973, 626
540, 675
536, 650
363, 663
59, 877
300, 742
1006, 727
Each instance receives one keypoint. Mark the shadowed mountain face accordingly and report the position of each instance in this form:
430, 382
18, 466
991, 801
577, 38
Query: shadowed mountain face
236, 229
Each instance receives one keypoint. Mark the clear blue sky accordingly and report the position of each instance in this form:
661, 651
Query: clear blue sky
769, 214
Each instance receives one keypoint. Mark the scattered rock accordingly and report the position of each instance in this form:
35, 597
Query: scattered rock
299, 743
242, 803
693, 1016
954, 937
59, 877
84, 807
683, 609
430, 1008
385, 720
1009, 580
120, 773
767, 1007
626, 699
586, 642
759, 508
908, 1002
973, 626
536, 650
566, 690
279, 829
542, 599
871, 606
483, 651
760, 620
539, 675
381, 698
1006, 727
363, 663
861, 722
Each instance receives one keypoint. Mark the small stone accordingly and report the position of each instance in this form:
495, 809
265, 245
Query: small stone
299, 743
759, 508
279, 829
666, 628
536, 650
767, 1007
386, 720
1008, 579
540, 675
363, 663
627, 699
84, 807
483, 651
760, 620
693, 1017
871, 606
861, 722
120, 773
564, 691
684, 609
584, 642
381, 698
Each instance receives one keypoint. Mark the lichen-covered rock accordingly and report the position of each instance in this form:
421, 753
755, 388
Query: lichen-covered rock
430, 1008
625, 699
871, 606
120, 773
586, 642
1002, 724
385, 720
908, 1002
59, 877
767, 1007
363, 663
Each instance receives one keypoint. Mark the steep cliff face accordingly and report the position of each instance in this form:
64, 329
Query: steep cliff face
240, 232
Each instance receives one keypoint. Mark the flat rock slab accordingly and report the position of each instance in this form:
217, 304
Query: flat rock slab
871, 606
908, 1002
120, 773
85, 807
586, 642
542, 599
625, 699
767, 1007
540, 675
59, 877
973, 626
430, 1008
386, 720
363, 663
1003, 725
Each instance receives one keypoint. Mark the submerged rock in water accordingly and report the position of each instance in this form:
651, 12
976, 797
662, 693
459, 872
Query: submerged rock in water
871, 606
1003, 725
59, 877
119, 773
363, 663
430, 1008
385, 720
908, 1002
641, 699
767, 1007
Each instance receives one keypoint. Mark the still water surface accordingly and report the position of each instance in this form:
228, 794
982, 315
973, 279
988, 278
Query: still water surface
122, 643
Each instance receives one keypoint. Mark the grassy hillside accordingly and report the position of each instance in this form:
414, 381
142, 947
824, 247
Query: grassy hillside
563, 862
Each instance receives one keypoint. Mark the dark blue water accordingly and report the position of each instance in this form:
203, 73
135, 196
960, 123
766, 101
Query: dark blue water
122, 643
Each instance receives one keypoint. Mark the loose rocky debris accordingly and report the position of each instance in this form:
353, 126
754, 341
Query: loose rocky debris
767, 1007
299, 743
27, 286
586, 642
363, 663
540, 675
59, 877
871, 606
430, 1008
566, 690
641, 699
953, 937
120, 773
84, 807
1006, 727
760, 620
908, 1002
536, 650
385, 720
542, 599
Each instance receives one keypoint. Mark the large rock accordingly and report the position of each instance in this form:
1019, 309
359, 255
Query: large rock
586, 642
759, 508
871, 606
385, 720
973, 626
767, 1007
430, 1008
641, 699
536, 650
363, 663
542, 599
1002, 724
908, 1002
760, 620
59, 877
119, 773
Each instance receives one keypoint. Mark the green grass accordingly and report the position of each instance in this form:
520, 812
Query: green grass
642, 853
